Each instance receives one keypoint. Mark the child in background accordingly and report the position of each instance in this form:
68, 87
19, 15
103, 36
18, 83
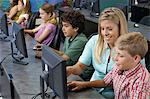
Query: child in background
72, 27
45, 32
15, 11
20, 13
129, 78
25, 13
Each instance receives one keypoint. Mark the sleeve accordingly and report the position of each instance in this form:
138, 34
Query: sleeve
86, 56
108, 79
50, 26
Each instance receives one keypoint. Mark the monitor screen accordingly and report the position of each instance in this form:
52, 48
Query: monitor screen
19, 41
95, 8
3, 24
76, 3
55, 66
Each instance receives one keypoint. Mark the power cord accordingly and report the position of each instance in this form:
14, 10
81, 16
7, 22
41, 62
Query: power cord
34, 97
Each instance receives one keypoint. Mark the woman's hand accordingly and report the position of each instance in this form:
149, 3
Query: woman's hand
76, 85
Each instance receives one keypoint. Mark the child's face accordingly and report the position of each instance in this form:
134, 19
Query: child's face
44, 16
109, 31
68, 30
124, 60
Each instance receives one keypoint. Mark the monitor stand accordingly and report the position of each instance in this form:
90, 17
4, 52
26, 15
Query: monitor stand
44, 94
93, 14
4, 37
18, 59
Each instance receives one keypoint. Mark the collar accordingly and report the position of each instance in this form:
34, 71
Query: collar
71, 39
131, 72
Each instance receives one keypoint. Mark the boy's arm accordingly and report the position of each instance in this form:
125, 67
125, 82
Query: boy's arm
78, 85
60, 53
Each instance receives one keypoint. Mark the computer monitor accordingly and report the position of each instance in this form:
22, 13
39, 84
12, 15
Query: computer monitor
3, 26
95, 11
55, 70
76, 4
20, 44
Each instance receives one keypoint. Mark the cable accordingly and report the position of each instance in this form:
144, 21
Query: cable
34, 97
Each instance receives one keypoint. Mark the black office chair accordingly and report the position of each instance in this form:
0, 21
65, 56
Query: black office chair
56, 41
147, 57
31, 22
145, 20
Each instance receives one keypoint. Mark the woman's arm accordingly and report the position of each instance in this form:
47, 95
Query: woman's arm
75, 69
78, 85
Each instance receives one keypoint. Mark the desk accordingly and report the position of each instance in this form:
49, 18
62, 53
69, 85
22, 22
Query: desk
26, 78
145, 30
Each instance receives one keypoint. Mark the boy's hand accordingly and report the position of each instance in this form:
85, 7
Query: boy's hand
38, 47
69, 70
76, 85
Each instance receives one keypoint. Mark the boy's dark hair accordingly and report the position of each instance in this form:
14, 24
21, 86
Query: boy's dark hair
75, 18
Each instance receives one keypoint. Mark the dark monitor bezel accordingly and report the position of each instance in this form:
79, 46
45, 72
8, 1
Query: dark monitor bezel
95, 10
20, 38
55, 66
3, 23
76, 4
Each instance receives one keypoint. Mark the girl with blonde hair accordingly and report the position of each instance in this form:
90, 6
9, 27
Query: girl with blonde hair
45, 32
98, 50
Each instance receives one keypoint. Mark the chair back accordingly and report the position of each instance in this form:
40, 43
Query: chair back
31, 22
57, 39
145, 20
147, 57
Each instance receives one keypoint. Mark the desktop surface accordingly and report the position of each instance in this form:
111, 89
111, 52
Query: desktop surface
26, 79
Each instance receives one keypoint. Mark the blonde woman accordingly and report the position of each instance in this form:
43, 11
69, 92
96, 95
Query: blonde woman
98, 50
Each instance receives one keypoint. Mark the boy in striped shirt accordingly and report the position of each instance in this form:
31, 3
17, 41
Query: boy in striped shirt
129, 78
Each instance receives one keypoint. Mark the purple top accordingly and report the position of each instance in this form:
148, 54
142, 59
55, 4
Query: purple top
51, 35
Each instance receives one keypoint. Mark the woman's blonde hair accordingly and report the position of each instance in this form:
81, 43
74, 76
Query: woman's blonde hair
118, 17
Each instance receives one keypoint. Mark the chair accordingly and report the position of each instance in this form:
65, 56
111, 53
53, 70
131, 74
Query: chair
147, 57
145, 20
32, 20
56, 41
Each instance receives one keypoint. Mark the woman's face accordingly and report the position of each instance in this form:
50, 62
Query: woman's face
44, 16
109, 31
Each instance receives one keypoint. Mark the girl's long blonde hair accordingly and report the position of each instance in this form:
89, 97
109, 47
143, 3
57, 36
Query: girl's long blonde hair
118, 17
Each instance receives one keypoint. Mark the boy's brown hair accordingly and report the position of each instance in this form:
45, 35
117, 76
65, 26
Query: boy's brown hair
135, 43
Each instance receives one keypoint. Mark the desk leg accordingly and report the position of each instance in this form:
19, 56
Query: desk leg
42, 87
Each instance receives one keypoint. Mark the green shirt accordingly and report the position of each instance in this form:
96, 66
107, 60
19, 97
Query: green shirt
74, 47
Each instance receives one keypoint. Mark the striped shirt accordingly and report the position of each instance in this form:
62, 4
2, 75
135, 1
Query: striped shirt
131, 84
